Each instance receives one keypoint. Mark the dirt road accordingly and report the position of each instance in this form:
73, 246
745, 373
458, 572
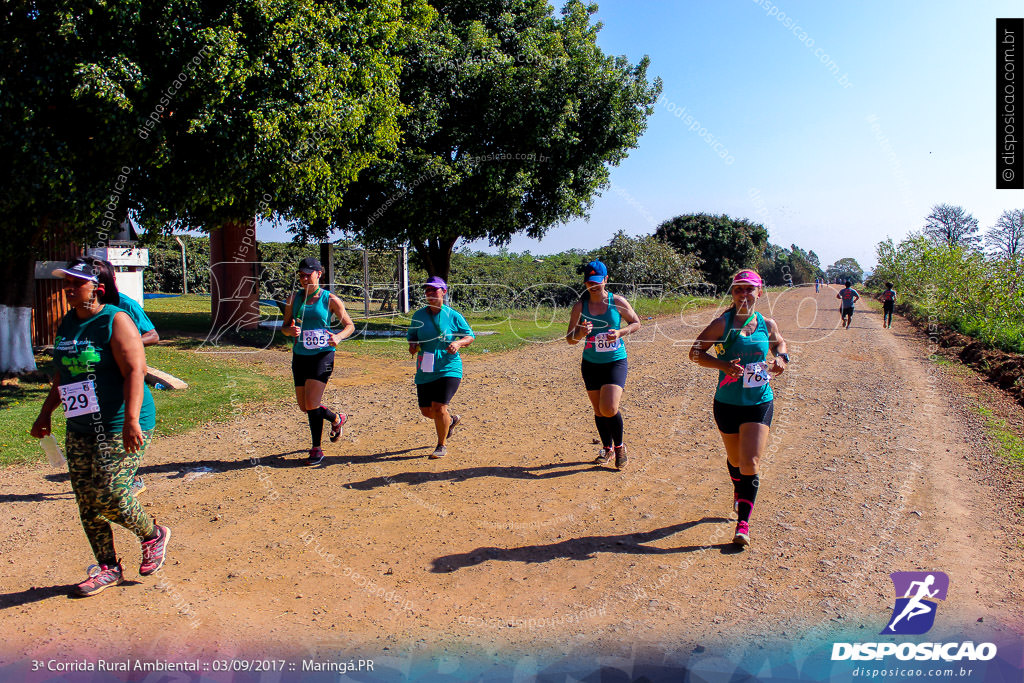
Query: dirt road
514, 542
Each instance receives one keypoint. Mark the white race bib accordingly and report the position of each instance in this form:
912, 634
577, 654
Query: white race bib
316, 339
755, 375
603, 345
427, 362
79, 398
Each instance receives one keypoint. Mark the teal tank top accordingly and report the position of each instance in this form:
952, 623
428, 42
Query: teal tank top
314, 331
754, 387
91, 383
596, 349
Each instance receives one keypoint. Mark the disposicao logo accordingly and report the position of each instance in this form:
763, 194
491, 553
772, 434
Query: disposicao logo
917, 594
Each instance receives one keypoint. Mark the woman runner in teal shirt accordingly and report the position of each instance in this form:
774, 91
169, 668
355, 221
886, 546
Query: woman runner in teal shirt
436, 334
313, 350
596, 317
744, 403
99, 371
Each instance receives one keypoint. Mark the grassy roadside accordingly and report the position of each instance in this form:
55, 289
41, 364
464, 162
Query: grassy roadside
217, 386
1007, 444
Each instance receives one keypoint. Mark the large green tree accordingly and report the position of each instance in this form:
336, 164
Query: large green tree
845, 269
952, 226
724, 244
192, 114
515, 116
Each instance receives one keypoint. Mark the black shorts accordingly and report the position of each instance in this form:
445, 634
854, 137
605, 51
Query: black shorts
596, 375
729, 417
439, 391
887, 307
318, 367
847, 312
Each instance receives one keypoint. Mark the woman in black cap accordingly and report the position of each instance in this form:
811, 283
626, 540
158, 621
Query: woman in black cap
99, 377
313, 350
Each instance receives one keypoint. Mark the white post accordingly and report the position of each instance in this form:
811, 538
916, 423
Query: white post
366, 283
184, 266
403, 281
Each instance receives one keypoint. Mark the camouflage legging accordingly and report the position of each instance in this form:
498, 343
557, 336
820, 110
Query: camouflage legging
101, 477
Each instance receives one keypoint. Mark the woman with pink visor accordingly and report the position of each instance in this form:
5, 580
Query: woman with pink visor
744, 403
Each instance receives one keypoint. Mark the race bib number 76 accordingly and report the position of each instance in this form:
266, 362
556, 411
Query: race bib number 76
755, 375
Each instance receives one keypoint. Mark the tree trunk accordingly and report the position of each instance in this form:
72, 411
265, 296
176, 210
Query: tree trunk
234, 280
437, 255
16, 298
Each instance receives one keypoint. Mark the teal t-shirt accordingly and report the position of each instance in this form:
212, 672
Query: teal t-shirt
434, 333
596, 350
90, 377
316, 323
135, 312
754, 388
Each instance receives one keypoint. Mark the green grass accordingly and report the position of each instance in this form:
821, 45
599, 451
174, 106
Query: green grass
217, 387
1008, 444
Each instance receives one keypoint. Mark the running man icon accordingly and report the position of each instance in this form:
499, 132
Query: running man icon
917, 593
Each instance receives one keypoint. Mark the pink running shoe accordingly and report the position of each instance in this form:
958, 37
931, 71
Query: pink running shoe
154, 551
336, 427
105, 577
742, 537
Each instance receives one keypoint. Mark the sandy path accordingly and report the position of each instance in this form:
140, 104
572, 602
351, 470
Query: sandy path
515, 543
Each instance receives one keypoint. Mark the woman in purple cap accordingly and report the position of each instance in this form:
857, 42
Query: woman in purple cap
313, 350
744, 402
436, 333
596, 317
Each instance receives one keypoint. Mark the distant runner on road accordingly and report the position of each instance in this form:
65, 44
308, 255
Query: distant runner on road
849, 297
817, 284
313, 350
596, 317
436, 334
888, 299
744, 401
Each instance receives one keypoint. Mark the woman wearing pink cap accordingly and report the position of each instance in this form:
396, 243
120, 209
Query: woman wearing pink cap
743, 404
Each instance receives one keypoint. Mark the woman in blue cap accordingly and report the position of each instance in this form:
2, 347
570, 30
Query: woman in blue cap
313, 350
436, 333
596, 317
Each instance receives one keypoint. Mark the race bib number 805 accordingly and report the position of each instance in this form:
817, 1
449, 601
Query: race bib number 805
316, 339
755, 375
79, 398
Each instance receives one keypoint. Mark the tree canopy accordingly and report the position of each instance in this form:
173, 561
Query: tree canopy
514, 118
725, 245
793, 266
845, 269
190, 113
1006, 237
952, 225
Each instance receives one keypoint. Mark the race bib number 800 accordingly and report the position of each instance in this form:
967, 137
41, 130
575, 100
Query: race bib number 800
755, 375
79, 398
316, 339
603, 345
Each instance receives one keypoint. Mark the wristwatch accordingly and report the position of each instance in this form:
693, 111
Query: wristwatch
783, 356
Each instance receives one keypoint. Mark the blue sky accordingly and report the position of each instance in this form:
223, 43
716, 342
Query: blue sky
832, 164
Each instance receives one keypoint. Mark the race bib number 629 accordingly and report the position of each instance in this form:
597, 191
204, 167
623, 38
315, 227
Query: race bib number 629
79, 398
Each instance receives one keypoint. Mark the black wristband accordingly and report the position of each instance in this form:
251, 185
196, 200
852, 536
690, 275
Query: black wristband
783, 356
